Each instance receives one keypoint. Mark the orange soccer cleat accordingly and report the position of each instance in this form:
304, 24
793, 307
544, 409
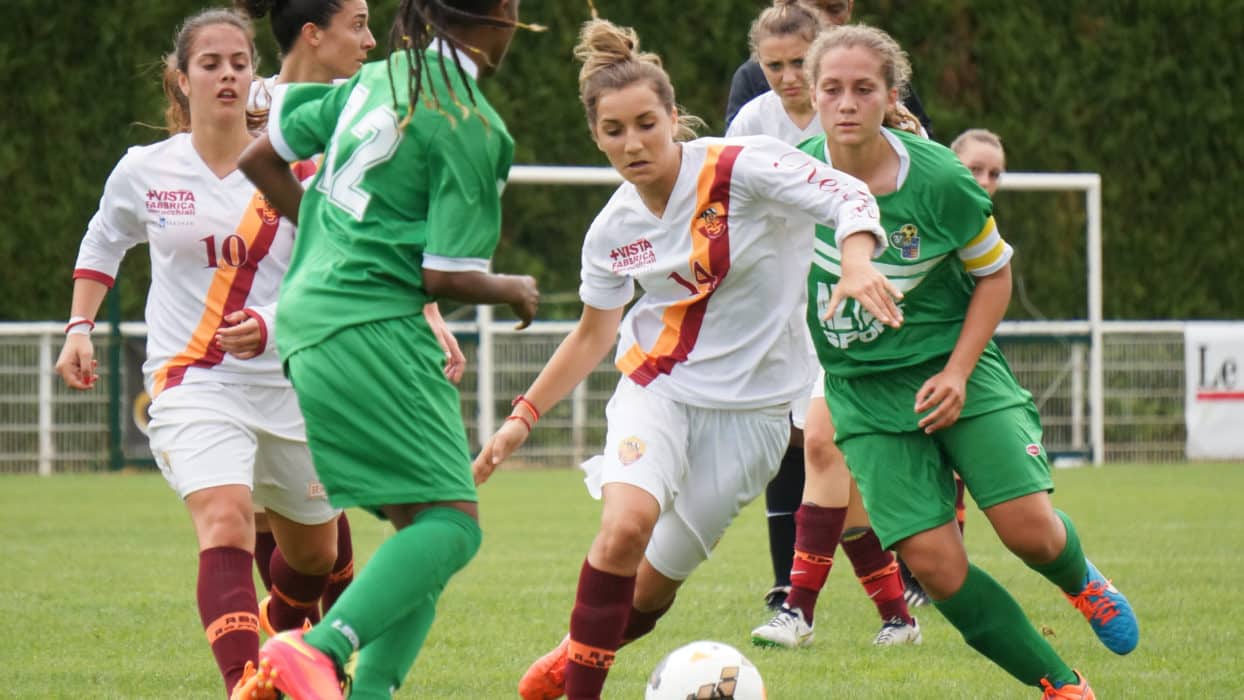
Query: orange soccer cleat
546, 678
1067, 691
252, 686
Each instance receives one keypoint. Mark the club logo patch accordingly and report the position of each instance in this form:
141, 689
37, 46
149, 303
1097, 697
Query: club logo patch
316, 492
631, 450
907, 240
1033, 449
710, 223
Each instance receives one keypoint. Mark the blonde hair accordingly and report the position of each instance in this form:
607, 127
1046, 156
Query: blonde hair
895, 66
982, 135
612, 61
785, 18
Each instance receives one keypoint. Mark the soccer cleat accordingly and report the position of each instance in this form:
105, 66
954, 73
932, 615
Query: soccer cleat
1067, 691
298, 669
775, 597
266, 625
913, 592
252, 686
894, 632
1107, 611
546, 678
787, 629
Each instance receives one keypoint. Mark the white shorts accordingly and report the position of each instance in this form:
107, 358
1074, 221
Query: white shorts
701, 464
799, 407
207, 434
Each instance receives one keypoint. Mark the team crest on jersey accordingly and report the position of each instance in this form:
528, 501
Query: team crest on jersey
267, 212
711, 221
907, 240
632, 256
630, 450
170, 202
1033, 449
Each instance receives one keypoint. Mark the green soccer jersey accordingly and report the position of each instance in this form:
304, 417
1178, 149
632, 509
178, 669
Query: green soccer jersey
388, 200
941, 233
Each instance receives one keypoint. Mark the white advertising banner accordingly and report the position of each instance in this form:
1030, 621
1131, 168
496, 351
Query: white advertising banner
1214, 401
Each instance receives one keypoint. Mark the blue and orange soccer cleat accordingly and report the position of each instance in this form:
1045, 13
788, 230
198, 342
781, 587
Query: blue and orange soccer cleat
546, 678
297, 669
1108, 612
1067, 691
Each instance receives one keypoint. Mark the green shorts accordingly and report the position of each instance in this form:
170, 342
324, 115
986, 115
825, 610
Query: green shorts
383, 423
907, 479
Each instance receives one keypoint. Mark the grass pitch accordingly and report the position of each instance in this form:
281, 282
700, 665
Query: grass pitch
97, 595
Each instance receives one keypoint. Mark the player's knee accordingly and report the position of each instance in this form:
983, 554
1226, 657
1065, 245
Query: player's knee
822, 456
225, 523
941, 570
622, 542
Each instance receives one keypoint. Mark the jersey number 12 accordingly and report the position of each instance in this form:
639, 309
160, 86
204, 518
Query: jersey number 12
378, 137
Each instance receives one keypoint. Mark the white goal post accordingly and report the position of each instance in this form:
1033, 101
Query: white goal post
1088, 183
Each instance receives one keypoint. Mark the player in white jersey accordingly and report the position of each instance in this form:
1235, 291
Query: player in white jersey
982, 152
716, 231
225, 422
807, 519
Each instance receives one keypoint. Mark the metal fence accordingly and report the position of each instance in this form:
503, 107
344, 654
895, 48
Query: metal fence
46, 428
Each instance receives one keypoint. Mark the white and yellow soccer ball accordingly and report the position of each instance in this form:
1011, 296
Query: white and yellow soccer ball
705, 671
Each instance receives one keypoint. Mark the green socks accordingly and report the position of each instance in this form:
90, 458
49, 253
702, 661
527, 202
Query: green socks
384, 662
1068, 569
992, 623
407, 574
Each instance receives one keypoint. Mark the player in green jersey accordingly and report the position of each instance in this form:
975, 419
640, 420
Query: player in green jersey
405, 209
910, 401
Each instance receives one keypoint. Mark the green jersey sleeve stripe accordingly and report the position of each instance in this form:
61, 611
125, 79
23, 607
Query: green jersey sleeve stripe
437, 262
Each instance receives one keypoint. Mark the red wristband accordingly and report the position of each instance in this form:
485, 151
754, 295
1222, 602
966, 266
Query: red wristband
520, 399
521, 419
78, 321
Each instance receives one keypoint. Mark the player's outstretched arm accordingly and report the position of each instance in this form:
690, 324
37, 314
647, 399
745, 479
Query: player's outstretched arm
863, 282
474, 287
579, 353
271, 174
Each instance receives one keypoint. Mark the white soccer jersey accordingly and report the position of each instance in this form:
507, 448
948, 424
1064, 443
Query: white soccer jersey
720, 323
766, 115
260, 97
216, 247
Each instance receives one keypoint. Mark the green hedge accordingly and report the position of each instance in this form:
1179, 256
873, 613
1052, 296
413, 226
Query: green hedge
1142, 92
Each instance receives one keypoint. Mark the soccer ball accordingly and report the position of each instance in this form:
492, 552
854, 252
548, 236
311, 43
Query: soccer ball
705, 671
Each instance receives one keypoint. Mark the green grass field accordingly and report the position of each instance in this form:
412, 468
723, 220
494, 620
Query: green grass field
97, 595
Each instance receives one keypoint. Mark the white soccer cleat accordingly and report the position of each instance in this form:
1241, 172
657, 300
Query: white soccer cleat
895, 632
786, 629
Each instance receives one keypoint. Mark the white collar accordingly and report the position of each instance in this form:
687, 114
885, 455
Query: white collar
904, 158
465, 60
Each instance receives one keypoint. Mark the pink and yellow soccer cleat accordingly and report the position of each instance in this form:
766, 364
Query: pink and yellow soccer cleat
1067, 691
299, 670
546, 678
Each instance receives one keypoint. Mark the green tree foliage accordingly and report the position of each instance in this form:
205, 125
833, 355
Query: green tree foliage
1144, 92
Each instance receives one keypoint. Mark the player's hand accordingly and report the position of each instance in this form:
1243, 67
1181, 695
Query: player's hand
76, 364
528, 299
511, 435
863, 282
240, 335
945, 393
455, 361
